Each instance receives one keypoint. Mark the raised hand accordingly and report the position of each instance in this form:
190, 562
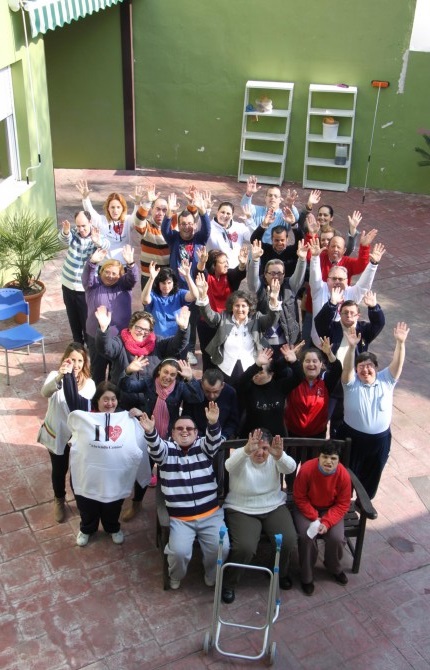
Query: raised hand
128, 254
253, 441
209, 202
189, 195
275, 287
401, 331
377, 252
336, 295
148, 424
153, 270
65, 227
202, 255
302, 250
252, 186
183, 317
369, 299
256, 250
326, 346
366, 239
172, 204
264, 357
354, 222
200, 202
288, 216
312, 224
291, 197
276, 449
185, 370
247, 214
314, 246
352, 336
314, 198
152, 193
202, 286
185, 268
212, 412
104, 317
96, 235
243, 254
82, 186
269, 218
98, 256
137, 364
136, 196
289, 353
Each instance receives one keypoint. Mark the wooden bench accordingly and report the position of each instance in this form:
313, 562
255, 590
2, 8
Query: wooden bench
302, 450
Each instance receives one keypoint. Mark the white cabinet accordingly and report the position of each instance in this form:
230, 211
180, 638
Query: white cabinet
324, 168
264, 140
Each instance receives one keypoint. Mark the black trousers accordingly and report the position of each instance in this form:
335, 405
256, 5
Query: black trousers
59, 468
369, 454
76, 308
94, 511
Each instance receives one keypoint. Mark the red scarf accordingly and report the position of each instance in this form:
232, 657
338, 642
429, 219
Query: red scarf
161, 412
143, 348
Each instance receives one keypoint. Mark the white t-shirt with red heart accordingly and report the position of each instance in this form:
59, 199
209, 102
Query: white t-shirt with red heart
108, 453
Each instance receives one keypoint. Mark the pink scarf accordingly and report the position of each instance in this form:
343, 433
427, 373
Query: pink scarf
161, 412
143, 348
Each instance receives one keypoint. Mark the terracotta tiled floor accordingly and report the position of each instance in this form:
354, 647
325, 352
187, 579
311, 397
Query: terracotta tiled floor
103, 607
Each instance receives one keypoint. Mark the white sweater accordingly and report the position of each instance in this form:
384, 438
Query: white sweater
107, 455
54, 432
254, 488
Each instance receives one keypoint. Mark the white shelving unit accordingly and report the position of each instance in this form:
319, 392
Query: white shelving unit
264, 138
320, 170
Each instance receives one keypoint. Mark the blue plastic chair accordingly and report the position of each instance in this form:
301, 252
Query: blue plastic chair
12, 302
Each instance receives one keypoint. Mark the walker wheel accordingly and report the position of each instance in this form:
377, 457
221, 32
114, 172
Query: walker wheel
272, 653
207, 642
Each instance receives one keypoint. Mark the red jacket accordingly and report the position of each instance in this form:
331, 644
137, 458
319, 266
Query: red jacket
313, 491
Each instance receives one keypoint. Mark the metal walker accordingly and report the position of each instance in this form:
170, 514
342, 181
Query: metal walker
212, 636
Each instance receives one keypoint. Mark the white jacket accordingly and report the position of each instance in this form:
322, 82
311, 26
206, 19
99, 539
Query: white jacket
54, 433
107, 455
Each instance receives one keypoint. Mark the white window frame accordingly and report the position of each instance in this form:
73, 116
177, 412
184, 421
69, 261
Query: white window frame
7, 113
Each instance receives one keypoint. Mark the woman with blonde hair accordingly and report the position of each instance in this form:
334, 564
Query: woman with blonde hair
108, 285
54, 433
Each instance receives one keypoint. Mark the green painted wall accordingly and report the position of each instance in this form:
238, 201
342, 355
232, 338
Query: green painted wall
83, 62
31, 123
192, 60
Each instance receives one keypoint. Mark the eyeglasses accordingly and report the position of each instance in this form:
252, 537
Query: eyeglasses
141, 331
189, 429
274, 274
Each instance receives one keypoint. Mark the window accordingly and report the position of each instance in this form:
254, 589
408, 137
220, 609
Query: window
9, 163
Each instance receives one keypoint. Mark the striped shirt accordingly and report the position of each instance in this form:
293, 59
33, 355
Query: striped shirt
187, 477
153, 246
79, 251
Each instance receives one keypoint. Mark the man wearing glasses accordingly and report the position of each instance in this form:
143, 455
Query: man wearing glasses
190, 488
287, 330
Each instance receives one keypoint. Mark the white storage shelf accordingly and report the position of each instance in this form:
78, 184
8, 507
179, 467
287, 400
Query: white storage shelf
272, 144
340, 103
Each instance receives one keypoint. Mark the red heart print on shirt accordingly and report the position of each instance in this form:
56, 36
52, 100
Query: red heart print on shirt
114, 432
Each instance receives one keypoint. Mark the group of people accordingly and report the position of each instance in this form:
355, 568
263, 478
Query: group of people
284, 352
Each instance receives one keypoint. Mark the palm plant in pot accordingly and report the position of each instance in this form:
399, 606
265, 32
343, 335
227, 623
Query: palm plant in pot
26, 243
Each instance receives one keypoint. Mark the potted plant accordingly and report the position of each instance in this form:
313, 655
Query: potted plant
26, 243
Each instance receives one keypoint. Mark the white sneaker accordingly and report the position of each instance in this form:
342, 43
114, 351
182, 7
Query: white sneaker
191, 358
118, 538
209, 582
82, 539
174, 583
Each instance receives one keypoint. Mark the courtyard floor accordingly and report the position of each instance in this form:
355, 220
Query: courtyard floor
103, 607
